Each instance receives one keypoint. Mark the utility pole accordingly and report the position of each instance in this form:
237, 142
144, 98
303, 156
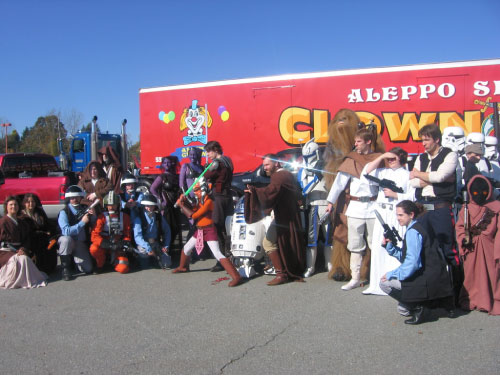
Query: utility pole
5, 125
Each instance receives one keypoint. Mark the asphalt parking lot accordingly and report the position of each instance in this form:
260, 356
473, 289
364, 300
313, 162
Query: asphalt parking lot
155, 322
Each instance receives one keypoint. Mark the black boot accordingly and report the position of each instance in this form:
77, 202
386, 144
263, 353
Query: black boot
418, 316
217, 267
66, 265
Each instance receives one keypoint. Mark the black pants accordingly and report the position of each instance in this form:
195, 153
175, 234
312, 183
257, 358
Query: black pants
440, 225
223, 207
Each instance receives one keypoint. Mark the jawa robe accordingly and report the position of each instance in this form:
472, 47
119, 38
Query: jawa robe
481, 288
281, 196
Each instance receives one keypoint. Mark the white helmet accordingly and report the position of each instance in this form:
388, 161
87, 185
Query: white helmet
490, 148
454, 138
310, 153
149, 199
474, 138
128, 178
74, 191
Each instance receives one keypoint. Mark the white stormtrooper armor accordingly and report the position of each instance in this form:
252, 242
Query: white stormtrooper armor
454, 138
313, 188
490, 148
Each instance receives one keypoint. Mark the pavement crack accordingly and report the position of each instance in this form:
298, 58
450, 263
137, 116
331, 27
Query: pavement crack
221, 371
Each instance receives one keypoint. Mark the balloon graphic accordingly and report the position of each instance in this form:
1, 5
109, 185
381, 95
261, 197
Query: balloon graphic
171, 115
166, 119
225, 116
221, 110
161, 115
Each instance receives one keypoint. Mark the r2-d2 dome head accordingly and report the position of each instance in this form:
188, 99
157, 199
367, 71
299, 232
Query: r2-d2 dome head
310, 153
490, 148
454, 138
474, 138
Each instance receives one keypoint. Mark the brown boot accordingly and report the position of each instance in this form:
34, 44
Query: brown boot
281, 276
183, 264
231, 270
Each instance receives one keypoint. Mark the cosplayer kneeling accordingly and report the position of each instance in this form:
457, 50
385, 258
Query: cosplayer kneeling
201, 213
111, 236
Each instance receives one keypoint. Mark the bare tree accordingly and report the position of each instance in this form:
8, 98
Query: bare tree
73, 120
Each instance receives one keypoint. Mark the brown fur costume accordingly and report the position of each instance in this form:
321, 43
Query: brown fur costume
341, 132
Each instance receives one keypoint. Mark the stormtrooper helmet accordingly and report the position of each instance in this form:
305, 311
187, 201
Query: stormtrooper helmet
454, 138
490, 148
474, 138
310, 153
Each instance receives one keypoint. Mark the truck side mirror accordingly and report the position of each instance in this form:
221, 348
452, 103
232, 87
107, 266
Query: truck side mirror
2, 178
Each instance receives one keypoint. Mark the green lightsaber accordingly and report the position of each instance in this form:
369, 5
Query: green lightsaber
196, 180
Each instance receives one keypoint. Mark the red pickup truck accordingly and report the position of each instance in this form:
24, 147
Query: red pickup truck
38, 174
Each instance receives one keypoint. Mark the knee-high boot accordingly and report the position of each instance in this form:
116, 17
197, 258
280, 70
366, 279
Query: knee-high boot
231, 270
183, 264
281, 276
66, 265
311, 253
356, 260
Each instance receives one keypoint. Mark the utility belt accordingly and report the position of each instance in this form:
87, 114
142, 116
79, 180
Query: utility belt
433, 204
362, 198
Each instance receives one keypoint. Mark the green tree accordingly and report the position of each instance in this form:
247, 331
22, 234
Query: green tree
13, 142
134, 151
88, 127
43, 136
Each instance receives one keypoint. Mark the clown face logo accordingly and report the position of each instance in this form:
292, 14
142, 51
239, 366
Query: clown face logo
195, 119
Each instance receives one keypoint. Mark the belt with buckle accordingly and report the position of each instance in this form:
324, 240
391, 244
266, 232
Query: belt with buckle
437, 205
363, 198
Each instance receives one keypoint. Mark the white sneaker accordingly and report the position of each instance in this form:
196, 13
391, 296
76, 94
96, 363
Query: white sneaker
309, 272
351, 285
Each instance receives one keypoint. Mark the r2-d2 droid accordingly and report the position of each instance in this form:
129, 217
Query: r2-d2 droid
246, 241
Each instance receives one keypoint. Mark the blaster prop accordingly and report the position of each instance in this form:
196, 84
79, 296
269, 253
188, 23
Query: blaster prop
195, 182
82, 213
325, 217
385, 183
391, 234
467, 240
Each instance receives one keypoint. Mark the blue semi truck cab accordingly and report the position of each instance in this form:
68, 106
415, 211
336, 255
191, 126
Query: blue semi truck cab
84, 147
80, 153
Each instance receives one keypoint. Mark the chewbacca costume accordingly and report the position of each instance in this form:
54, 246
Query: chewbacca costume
341, 132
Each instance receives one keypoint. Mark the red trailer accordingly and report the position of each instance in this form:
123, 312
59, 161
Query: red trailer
252, 117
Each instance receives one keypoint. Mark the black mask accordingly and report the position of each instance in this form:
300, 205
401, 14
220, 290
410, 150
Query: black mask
479, 191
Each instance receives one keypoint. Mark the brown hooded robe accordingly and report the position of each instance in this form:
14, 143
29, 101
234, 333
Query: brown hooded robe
481, 288
281, 195
113, 169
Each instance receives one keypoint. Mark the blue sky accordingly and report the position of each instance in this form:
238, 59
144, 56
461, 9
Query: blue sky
93, 56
